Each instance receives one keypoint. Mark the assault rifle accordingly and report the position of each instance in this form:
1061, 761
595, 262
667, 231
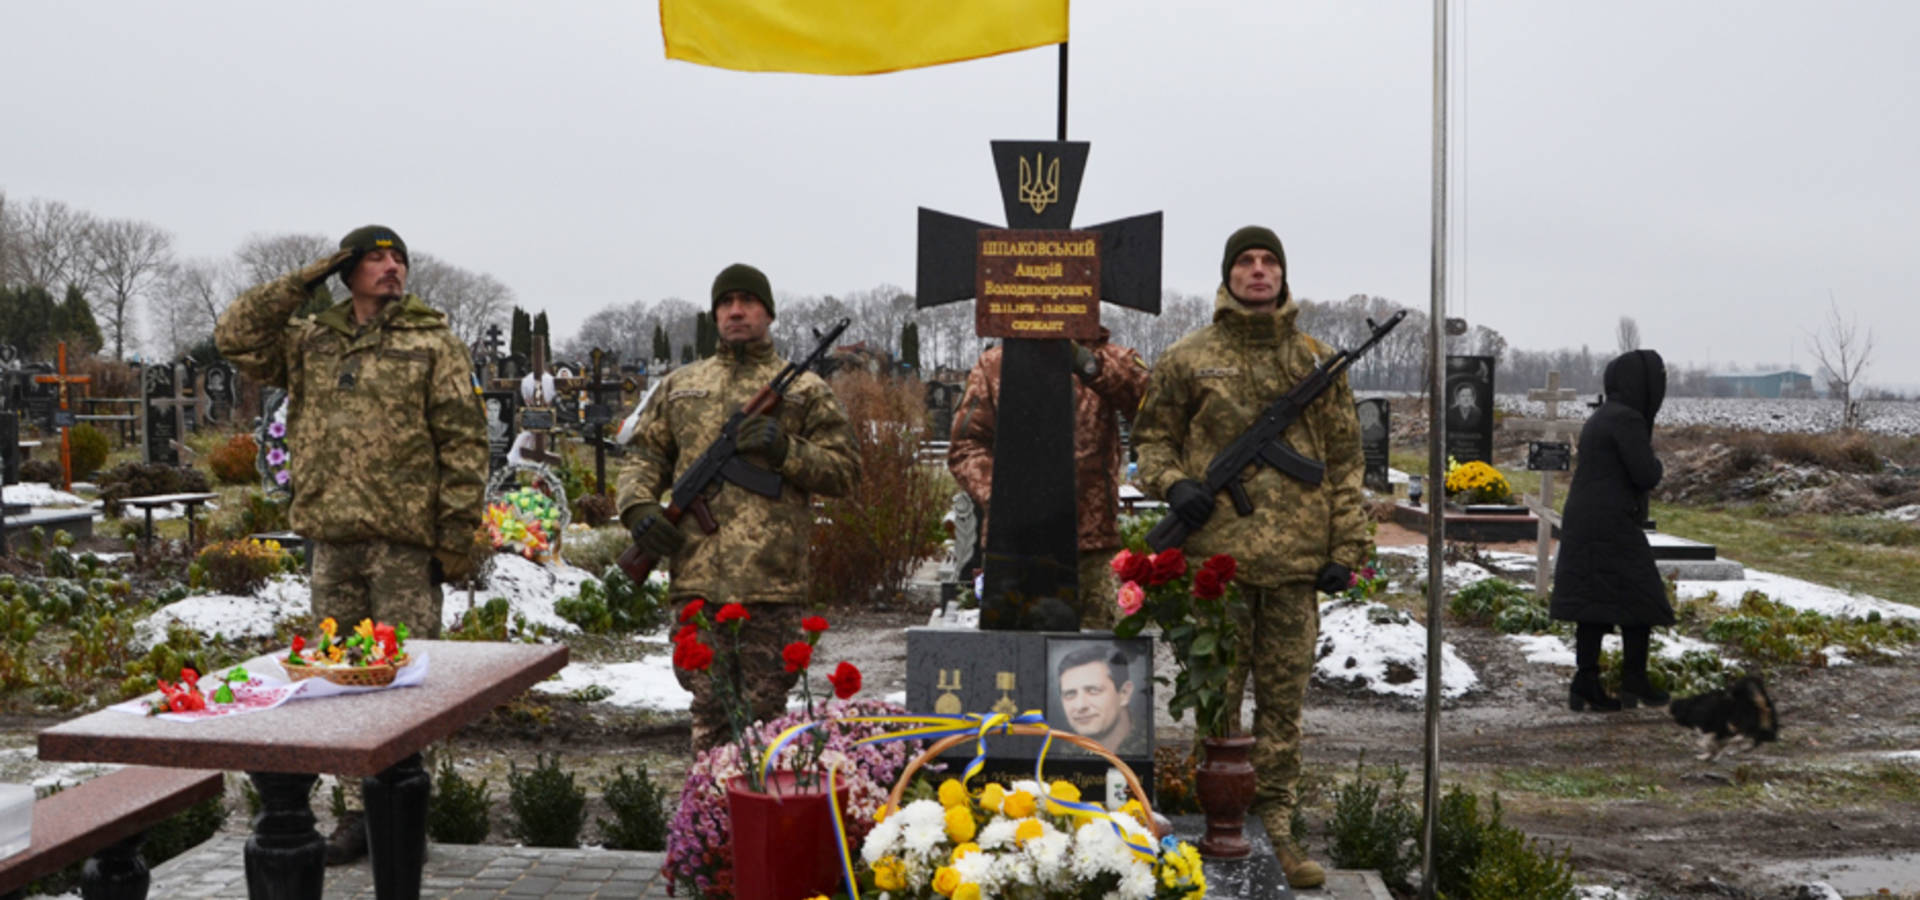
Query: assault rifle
722, 461
1260, 444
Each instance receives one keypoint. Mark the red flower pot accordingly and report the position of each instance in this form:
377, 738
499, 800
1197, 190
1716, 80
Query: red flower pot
1223, 783
783, 839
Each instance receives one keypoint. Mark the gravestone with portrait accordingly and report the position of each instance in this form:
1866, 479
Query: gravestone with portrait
1470, 408
219, 384
1375, 433
501, 408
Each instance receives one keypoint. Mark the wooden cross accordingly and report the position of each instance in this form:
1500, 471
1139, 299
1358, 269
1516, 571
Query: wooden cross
65, 418
1542, 505
537, 410
1034, 284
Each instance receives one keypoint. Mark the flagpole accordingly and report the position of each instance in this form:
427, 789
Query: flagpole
1062, 129
1436, 455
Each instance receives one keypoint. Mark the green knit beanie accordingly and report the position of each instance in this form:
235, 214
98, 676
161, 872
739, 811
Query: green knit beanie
367, 238
1246, 239
745, 278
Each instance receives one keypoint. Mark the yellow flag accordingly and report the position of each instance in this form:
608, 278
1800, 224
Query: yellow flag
854, 37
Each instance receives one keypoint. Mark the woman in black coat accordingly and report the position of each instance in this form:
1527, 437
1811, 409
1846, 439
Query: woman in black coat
1604, 575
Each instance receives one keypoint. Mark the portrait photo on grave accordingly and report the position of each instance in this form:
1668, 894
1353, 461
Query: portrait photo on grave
1101, 688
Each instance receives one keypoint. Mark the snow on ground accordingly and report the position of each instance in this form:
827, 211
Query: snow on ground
22, 765
284, 597
647, 684
1551, 650
1756, 414
1383, 651
529, 588
1909, 513
38, 494
1457, 575
1798, 594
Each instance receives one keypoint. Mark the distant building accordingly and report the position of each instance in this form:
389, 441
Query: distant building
1773, 385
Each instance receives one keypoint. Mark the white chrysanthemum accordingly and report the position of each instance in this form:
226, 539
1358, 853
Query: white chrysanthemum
881, 839
980, 869
1034, 789
1049, 853
1093, 846
1137, 884
923, 825
997, 834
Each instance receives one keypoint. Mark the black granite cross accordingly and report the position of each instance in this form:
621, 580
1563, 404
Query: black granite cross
163, 434
600, 411
1032, 548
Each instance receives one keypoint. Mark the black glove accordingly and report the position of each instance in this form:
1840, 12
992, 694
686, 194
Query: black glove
1333, 579
762, 435
321, 269
1190, 501
655, 536
1085, 364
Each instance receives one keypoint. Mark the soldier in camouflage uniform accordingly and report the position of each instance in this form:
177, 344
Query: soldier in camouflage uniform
1108, 380
389, 450
758, 557
1300, 539
388, 447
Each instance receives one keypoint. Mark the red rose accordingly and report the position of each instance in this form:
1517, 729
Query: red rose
731, 612
693, 656
797, 654
1131, 566
814, 624
692, 609
1206, 584
846, 680
1168, 564
687, 632
1223, 565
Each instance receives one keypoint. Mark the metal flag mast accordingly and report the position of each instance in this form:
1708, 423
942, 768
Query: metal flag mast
1436, 450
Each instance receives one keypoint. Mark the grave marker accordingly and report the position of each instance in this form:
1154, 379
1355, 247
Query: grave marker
602, 395
1470, 408
1375, 431
162, 416
219, 382
1551, 456
1035, 283
502, 425
63, 418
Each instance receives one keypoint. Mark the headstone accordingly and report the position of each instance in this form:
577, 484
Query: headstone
965, 556
1034, 284
273, 463
41, 399
961, 671
162, 426
941, 398
1375, 431
502, 425
220, 381
187, 376
9, 447
603, 396
1470, 408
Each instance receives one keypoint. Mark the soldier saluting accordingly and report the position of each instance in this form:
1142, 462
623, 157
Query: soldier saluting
1204, 393
758, 554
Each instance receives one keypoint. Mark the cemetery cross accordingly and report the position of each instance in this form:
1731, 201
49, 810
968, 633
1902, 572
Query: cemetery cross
602, 395
1542, 504
165, 452
64, 418
1036, 284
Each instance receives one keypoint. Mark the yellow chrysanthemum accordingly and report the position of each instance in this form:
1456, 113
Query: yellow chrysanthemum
952, 793
992, 797
964, 850
1027, 830
889, 874
960, 827
945, 880
1018, 805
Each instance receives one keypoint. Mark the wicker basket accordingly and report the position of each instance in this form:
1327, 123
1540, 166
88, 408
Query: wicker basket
351, 676
1088, 744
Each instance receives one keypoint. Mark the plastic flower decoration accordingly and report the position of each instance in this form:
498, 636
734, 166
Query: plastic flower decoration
371, 644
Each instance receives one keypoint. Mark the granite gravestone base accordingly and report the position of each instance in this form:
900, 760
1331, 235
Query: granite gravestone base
1257, 876
954, 671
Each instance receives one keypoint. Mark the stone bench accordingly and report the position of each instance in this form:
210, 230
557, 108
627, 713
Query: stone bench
152, 502
106, 819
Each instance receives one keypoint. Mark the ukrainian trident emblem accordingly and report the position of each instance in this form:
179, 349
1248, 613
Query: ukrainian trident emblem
1039, 182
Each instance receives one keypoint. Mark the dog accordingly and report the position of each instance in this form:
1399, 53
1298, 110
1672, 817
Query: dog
1741, 710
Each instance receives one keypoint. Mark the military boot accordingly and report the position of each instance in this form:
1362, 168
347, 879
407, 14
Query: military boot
1301, 872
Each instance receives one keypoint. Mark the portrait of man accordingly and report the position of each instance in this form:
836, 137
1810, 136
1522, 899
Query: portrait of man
1101, 691
1464, 411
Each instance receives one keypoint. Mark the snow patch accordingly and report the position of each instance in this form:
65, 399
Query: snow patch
1908, 513
1548, 649
37, 493
283, 597
647, 684
529, 589
1801, 595
1383, 651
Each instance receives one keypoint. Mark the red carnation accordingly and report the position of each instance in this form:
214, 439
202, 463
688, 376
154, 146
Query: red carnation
1223, 565
798, 655
1168, 564
731, 612
693, 656
814, 624
846, 680
692, 609
687, 632
1206, 584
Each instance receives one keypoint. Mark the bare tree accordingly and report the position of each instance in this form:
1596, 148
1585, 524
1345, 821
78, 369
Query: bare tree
9, 243
1843, 353
470, 299
127, 259
188, 302
264, 257
52, 245
1628, 334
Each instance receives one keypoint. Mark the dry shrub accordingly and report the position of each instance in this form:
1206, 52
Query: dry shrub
110, 379
1837, 452
238, 567
233, 462
867, 543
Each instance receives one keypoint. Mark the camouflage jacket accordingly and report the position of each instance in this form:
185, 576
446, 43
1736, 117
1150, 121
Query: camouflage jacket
1204, 392
759, 555
1097, 454
383, 424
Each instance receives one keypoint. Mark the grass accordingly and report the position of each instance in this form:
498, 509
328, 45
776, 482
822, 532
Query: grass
1579, 784
1789, 787
1827, 550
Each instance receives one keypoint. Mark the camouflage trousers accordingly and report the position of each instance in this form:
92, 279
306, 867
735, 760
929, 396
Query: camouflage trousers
1098, 589
762, 676
378, 580
1279, 629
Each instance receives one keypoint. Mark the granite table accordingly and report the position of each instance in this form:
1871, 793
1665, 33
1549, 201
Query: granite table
378, 736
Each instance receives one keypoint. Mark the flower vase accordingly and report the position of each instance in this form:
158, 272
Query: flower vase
783, 839
1223, 783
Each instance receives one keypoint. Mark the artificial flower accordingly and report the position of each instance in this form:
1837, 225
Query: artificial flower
1207, 584
1223, 565
945, 879
1167, 565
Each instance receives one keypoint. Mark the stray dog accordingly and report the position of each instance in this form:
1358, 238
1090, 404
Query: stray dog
1742, 710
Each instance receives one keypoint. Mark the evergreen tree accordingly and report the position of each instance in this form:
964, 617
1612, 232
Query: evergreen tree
686, 353
29, 319
540, 327
706, 335
520, 343
910, 345
662, 348
76, 324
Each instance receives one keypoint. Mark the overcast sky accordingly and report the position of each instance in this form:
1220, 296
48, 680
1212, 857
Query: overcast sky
1712, 169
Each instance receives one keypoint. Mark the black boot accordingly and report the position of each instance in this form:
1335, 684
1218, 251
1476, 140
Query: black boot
1586, 692
1635, 688
348, 842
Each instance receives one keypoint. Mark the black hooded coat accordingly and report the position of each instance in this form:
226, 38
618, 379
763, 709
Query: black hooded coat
1604, 571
